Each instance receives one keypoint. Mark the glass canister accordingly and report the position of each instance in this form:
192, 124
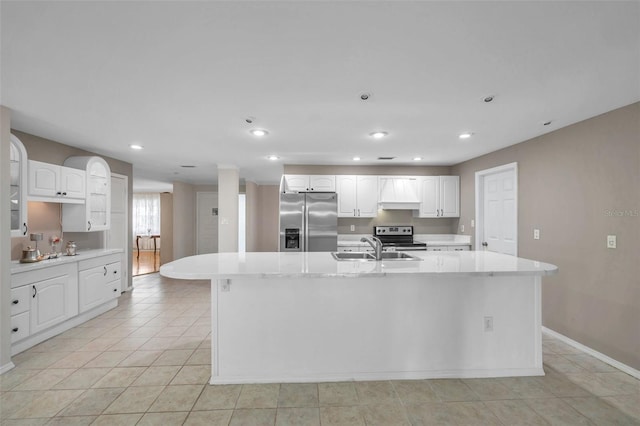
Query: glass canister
71, 248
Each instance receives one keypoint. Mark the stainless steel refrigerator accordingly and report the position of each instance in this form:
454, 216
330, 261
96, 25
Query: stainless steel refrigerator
309, 221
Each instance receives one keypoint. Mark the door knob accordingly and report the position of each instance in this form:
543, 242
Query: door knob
485, 244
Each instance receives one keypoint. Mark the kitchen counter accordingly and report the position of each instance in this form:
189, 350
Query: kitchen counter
305, 317
323, 265
17, 267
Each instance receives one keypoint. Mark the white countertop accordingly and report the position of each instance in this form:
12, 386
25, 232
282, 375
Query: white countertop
323, 265
17, 267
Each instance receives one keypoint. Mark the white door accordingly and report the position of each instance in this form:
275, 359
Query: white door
497, 195
118, 234
207, 222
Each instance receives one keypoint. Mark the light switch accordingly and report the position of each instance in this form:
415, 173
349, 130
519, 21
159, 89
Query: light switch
536, 234
461, 228
353, 228
611, 241
473, 223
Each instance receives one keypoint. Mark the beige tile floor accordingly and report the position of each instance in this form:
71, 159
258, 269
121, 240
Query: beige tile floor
147, 362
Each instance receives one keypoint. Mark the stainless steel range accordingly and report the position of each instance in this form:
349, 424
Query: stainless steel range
398, 238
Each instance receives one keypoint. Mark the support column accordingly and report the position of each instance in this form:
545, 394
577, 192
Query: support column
5, 241
228, 186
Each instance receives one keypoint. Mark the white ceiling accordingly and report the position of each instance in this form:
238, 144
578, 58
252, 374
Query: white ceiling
181, 77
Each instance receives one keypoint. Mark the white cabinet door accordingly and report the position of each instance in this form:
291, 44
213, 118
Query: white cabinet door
114, 278
92, 287
367, 196
439, 196
52, 301
95, 213
44, 179
72, 183
449, 196
322, 183
19, 326
296, 183
347, 195
429, 196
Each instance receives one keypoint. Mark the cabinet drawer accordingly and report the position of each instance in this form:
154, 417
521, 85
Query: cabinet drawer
437, 248
19, 300
99, 261
19, 326
459, 248
114, 271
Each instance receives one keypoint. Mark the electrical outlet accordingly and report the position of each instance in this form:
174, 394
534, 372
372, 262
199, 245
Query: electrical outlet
611, 241
473, 223
353, 228
488, 323
536, 234
226, 286
461, 228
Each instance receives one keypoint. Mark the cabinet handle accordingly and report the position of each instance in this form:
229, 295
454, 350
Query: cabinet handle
89, 222
58, 193
358, 212
35, 291
105, 271
64, 193
26, 228
115, 289
14, 330
15, 302
115, 272
354, 212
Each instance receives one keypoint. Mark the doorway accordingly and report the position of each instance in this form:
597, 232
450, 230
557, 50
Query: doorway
497, 209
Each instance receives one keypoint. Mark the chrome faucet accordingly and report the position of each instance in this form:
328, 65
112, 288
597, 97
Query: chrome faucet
375, 243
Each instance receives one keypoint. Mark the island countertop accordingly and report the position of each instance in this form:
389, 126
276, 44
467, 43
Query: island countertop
323, 265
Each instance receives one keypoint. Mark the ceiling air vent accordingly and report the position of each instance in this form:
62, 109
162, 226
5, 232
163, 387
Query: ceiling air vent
386, 158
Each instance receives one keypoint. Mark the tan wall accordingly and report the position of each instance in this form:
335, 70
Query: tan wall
166, 227
252, 216
228, 186
46, 219
268, 222
5, 238
184, 220
568, 182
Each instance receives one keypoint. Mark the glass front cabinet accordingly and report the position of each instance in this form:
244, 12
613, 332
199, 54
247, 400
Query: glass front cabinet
18, 188
95, 214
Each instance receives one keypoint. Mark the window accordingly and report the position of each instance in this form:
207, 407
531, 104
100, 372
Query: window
146, 214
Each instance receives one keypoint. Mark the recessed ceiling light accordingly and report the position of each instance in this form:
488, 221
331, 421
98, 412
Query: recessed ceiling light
188, 166
465, 135
258, 132
378, 135
488, 99
386, 158
365, 96
546, 123
273, 157
356, 158
417, 158
135, 146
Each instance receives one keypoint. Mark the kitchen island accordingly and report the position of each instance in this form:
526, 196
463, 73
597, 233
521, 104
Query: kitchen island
305, 317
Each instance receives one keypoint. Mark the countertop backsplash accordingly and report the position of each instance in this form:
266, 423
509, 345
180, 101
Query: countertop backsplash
46, 218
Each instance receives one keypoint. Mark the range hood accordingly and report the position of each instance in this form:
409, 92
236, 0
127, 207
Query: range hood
398, 193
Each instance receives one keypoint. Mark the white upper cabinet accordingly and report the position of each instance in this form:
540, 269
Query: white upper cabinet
439, 196
54, 183
310, 183
94, 215
18, 187
357, 195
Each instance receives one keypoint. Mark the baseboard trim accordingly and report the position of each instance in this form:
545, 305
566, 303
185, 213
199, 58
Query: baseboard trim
599, 355
7, 367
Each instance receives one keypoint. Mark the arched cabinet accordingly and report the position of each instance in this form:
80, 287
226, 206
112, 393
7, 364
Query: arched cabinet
94, 214
18, 188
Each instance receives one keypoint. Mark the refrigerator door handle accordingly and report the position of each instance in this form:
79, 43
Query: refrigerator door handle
305, 227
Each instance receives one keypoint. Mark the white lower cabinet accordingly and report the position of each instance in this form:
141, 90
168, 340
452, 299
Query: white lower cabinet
48, 300
449, 248
19, 326
99, 283
53, 301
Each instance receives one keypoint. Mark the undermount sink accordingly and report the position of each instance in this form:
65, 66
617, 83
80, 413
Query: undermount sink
364, 256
